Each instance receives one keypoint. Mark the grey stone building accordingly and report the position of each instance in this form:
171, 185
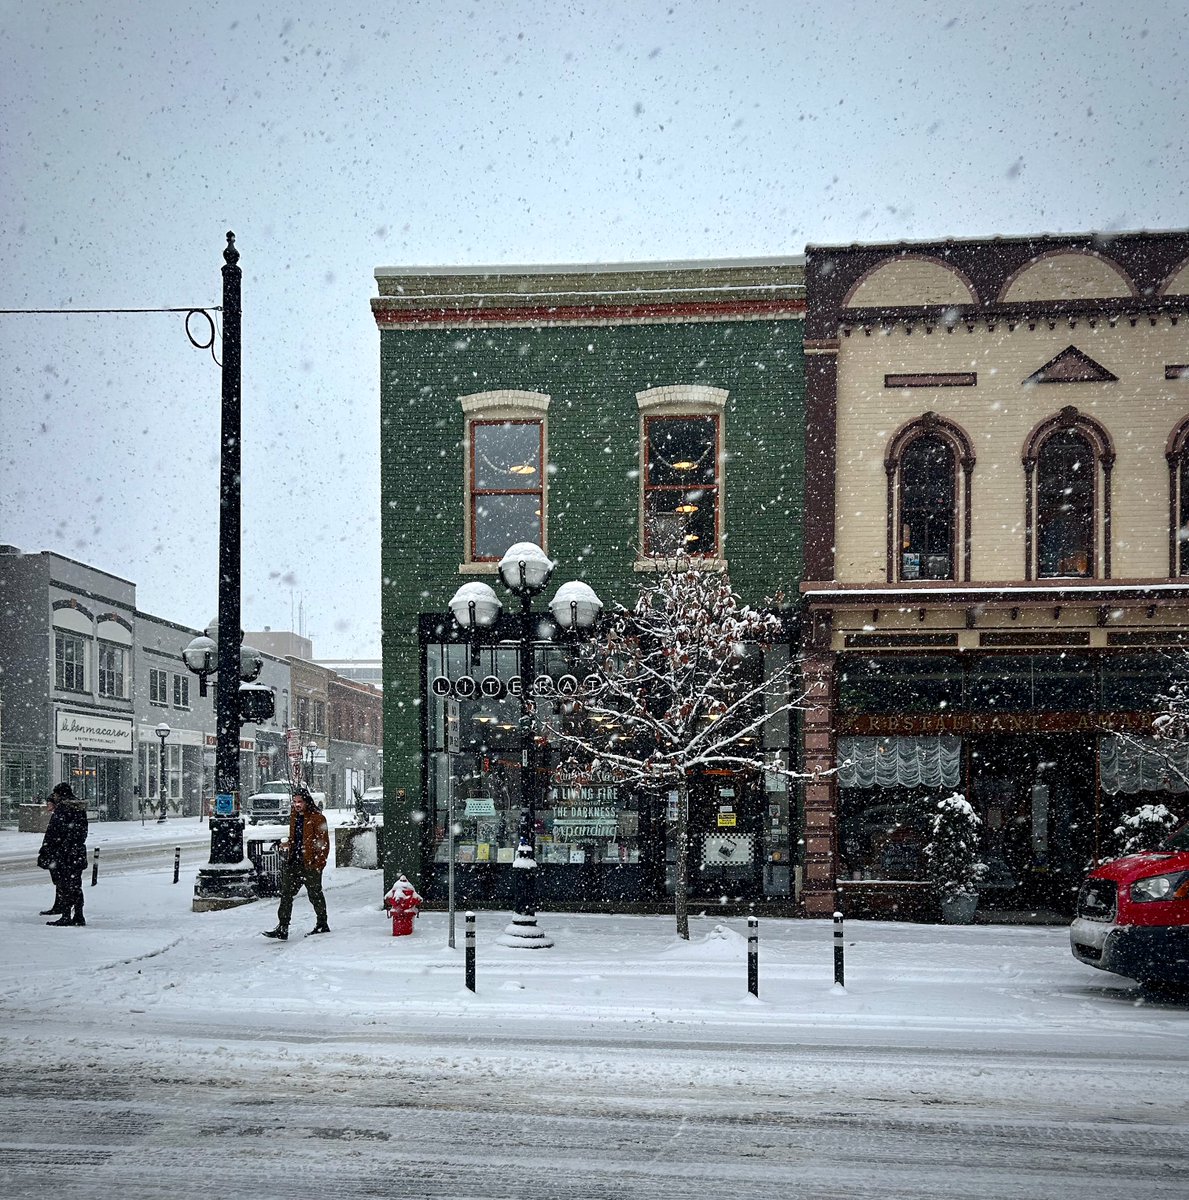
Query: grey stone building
165, 694
67, 648
87, 679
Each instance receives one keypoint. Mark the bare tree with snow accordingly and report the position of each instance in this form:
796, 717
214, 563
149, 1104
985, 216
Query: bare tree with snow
678, 685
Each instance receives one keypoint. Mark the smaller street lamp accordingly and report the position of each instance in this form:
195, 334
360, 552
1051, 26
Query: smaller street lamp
162, 731
311, 751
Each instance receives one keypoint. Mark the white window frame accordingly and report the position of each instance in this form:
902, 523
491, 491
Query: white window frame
181, 692
120, 671
80, 663
159, 687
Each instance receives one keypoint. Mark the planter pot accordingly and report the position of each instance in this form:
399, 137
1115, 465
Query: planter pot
960, 908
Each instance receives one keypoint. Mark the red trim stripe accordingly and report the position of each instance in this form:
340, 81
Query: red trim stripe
561, 314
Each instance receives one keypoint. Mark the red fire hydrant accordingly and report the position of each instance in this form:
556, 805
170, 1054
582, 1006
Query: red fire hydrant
403, 904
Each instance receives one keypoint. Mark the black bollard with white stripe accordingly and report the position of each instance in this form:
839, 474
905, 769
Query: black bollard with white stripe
753, 955
95, 868
470, 951
177, 862
838, 951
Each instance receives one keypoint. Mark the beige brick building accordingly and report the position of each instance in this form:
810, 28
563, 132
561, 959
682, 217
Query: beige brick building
997, 563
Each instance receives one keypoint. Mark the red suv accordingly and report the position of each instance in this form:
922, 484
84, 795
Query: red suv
1133, 915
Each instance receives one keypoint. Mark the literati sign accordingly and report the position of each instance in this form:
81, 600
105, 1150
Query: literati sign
491, 687
85, 731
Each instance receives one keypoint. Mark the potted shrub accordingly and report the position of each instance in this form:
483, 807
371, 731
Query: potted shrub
952, 860
1143, 829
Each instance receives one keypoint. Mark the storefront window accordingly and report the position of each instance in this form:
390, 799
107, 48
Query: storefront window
1001, 683
1133, 683
883, 832
900, 684
889, 788
595, 838
476, 774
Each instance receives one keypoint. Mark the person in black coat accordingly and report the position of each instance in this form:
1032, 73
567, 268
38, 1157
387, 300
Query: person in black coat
64, 853
43, 862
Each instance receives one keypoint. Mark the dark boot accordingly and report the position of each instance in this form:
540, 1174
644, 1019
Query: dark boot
64, 919
281, 933
320, 928
51, 912
78, 918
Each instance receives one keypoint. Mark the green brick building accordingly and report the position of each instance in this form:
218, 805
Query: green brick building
618, 416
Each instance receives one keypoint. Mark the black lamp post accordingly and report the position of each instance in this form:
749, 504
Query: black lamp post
162, 731
525, 570
311, 755
226, 880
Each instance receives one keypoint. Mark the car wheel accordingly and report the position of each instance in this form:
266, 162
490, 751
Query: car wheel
1162, 989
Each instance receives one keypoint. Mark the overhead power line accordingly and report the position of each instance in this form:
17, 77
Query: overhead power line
72, 311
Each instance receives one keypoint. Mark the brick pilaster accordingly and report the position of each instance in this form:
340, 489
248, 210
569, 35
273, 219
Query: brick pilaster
818, 893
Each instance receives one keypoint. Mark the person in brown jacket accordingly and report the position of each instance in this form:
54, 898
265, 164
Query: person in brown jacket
303, 855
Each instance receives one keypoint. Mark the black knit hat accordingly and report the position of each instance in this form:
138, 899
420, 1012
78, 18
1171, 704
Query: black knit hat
62, 791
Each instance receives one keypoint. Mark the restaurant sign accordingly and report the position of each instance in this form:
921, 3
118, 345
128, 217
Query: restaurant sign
984, 722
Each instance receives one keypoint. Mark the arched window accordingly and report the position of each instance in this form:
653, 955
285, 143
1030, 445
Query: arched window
927, 496
1177, 455
1065, 507
1067, 471
926, 507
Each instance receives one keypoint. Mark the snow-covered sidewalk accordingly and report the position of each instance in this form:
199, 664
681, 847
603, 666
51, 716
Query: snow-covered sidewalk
144, 953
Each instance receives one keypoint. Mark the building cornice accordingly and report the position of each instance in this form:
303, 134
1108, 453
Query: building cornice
1065, 592
389, 315
738, 289
1031, 315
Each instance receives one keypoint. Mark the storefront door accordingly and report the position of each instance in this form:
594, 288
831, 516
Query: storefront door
95, 780
725, 837
1036, 796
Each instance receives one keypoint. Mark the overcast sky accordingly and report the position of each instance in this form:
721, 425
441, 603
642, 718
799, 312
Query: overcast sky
337, 137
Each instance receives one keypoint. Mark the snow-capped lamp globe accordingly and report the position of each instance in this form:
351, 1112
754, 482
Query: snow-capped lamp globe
575, 606
476, 606
525, 569
201, 657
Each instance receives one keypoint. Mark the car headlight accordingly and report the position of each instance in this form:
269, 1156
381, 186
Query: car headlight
1161, 887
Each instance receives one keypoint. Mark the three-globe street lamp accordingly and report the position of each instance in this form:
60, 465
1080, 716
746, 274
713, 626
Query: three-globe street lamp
162, 731
525, 570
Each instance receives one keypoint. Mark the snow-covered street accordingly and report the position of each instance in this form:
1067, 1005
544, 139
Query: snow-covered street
159, 1050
